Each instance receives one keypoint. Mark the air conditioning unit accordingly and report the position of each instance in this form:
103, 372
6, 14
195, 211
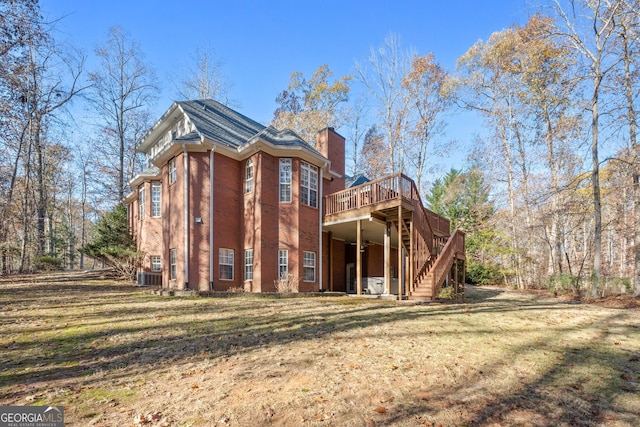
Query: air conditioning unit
146, 278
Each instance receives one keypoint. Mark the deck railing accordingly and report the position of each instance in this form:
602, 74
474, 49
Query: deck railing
444, 261
393, 187
367, 194
431, 255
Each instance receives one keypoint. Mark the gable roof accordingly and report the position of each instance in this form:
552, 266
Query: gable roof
212, 123
219, 123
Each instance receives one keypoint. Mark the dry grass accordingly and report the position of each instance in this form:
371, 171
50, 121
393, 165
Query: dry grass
115, 356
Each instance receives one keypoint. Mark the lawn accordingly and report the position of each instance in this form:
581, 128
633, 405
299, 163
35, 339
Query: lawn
115, 356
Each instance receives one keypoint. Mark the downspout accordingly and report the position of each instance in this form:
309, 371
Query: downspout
211, 219
186, 217
320, 210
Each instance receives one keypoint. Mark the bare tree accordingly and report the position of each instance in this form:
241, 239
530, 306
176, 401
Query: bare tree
595, 47
124, 86
424, 83
204, 78
628, 34
21, 28
310, 105
356, 117
382, 74
52, 82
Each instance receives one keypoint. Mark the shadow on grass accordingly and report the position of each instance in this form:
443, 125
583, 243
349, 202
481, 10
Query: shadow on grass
581, 388
70, 331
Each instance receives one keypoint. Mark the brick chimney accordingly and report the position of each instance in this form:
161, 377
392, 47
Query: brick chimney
331, 145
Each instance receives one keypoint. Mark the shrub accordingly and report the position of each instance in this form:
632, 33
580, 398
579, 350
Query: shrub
48, 263
447, 292
563, 283
286, 284
607, 286
484, 274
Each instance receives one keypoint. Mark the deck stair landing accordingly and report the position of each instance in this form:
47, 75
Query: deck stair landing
432, 249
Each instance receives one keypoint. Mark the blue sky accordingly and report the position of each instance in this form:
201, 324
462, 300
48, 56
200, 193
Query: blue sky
263, 42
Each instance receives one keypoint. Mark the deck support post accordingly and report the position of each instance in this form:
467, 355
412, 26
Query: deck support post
411, 256
464, 269
455, 277
387, 258
400, 263
359, 258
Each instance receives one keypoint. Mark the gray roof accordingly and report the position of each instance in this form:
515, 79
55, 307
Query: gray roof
354, 181
220, 123
223, 125
285, 137
151, 171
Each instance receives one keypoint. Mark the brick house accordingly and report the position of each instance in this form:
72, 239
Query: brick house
229, 203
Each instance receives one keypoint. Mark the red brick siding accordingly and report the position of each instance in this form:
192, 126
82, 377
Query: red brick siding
325, 261
199, 190
148, 231
339, 265
266, 256
252, 222
374, 261
228, 222
173, 223
331, 145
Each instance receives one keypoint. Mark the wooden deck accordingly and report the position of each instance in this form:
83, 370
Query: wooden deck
379, 195
434, 253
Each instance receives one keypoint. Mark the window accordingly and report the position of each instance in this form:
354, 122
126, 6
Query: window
309, 185
172, 171
226, 264
172, 264
155, 199
248, 177
283, 263
156, 263
285, 180
248, 264
142, 202
309, 267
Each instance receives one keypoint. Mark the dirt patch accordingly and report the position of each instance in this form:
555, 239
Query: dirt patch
113, 355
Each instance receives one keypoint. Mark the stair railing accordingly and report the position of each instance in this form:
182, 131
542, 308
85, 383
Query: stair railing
444, 261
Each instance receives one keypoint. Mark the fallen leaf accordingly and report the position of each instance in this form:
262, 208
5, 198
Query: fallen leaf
381, 410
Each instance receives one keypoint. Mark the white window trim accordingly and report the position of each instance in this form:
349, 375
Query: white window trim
141, 198
248, 176
173, 173
154, 264
156, 204
286, 181
248, 267
283, 254
224, 253
173, 268
305, 266
309, 176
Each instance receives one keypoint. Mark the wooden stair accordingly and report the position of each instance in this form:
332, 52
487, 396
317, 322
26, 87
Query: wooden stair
425, 235
428, 276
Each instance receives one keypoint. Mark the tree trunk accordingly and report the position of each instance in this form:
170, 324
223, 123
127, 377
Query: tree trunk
41, 205
633, 142
636, 225
595, 180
